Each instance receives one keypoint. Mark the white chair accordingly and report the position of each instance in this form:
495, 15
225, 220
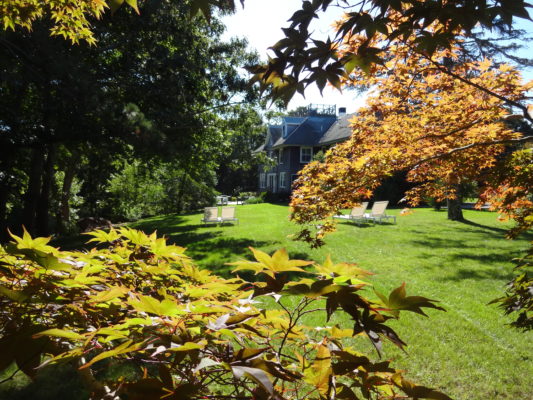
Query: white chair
378, 212
228, 215
356, 215
210, 215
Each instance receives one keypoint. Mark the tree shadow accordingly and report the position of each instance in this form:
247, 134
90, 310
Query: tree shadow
484, 227
491, 261
488, 274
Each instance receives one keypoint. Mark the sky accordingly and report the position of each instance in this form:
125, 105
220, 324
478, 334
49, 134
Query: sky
260, 22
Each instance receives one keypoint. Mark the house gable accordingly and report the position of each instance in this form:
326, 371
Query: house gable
311, 133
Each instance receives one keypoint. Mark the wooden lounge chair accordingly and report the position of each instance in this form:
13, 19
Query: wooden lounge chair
228, 215
356, 215
210, 215
378, 212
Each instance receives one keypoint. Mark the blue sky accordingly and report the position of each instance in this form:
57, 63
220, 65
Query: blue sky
261, 22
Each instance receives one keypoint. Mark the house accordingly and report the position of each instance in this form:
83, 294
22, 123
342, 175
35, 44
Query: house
294, 143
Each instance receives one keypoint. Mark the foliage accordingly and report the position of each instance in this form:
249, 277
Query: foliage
238, 165
141, 302
444, 131
140, 190
256, 198
158, 89
299, 59
518, 298
71, 19
382, 25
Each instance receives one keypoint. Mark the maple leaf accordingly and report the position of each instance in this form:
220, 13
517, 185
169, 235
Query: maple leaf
279, 262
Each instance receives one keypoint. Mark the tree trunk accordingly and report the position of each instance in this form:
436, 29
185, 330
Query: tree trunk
179, 205
63, 213
455, 212
6, 181
31, 197
3, 212
43, 207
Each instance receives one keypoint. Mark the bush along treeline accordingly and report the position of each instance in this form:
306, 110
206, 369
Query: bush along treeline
136, 302
160, 102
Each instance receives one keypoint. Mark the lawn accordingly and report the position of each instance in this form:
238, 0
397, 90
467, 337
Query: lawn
468, 351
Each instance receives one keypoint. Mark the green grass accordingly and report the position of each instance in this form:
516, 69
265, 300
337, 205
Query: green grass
469, 352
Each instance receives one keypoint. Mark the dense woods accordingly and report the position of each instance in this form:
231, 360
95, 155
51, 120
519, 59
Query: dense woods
134, 126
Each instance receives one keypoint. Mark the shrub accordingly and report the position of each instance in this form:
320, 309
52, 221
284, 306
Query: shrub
138, 302
254, 200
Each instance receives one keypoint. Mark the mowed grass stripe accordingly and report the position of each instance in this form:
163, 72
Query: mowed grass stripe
468, 351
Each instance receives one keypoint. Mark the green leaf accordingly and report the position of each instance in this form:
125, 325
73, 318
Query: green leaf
133, 4
189, 346
256, 374
15, 295
245, 354
151, 305
418, 392
205, 363
60, 333
108, 295
320, 372
114, 5
125, 347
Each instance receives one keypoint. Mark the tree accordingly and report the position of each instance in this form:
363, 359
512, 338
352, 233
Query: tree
151, 89
446, 127
238, 166
445, 120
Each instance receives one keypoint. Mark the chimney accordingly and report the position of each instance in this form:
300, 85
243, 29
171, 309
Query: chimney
342, 111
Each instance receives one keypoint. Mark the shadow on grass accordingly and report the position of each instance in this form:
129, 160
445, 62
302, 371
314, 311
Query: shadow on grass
492, 262
501, 231
355, 224
486, 274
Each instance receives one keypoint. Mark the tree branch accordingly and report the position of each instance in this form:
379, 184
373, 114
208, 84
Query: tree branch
479, 87
452, 132
471, 145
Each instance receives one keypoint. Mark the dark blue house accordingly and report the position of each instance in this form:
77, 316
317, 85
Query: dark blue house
294, 143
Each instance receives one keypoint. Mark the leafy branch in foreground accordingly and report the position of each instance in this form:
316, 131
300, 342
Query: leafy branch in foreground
137, 301
519, 297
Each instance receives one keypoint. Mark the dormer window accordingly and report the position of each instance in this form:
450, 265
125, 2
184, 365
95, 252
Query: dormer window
306, 154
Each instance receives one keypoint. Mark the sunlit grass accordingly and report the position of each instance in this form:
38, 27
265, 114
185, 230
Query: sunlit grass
469, 352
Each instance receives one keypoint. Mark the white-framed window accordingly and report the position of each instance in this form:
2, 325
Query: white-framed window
271, 182
280, 156
283, 180
262, 180
306, 154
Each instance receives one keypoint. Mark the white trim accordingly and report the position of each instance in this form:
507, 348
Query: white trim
262, 181
302, 148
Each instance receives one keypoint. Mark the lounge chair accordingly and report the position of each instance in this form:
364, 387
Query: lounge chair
357, 214
210, 215
228, 215
378, 212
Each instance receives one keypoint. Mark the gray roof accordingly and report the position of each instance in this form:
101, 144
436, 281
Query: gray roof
311, 131
339, 131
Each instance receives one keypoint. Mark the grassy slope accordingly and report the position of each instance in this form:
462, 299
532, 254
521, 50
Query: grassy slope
468, 351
